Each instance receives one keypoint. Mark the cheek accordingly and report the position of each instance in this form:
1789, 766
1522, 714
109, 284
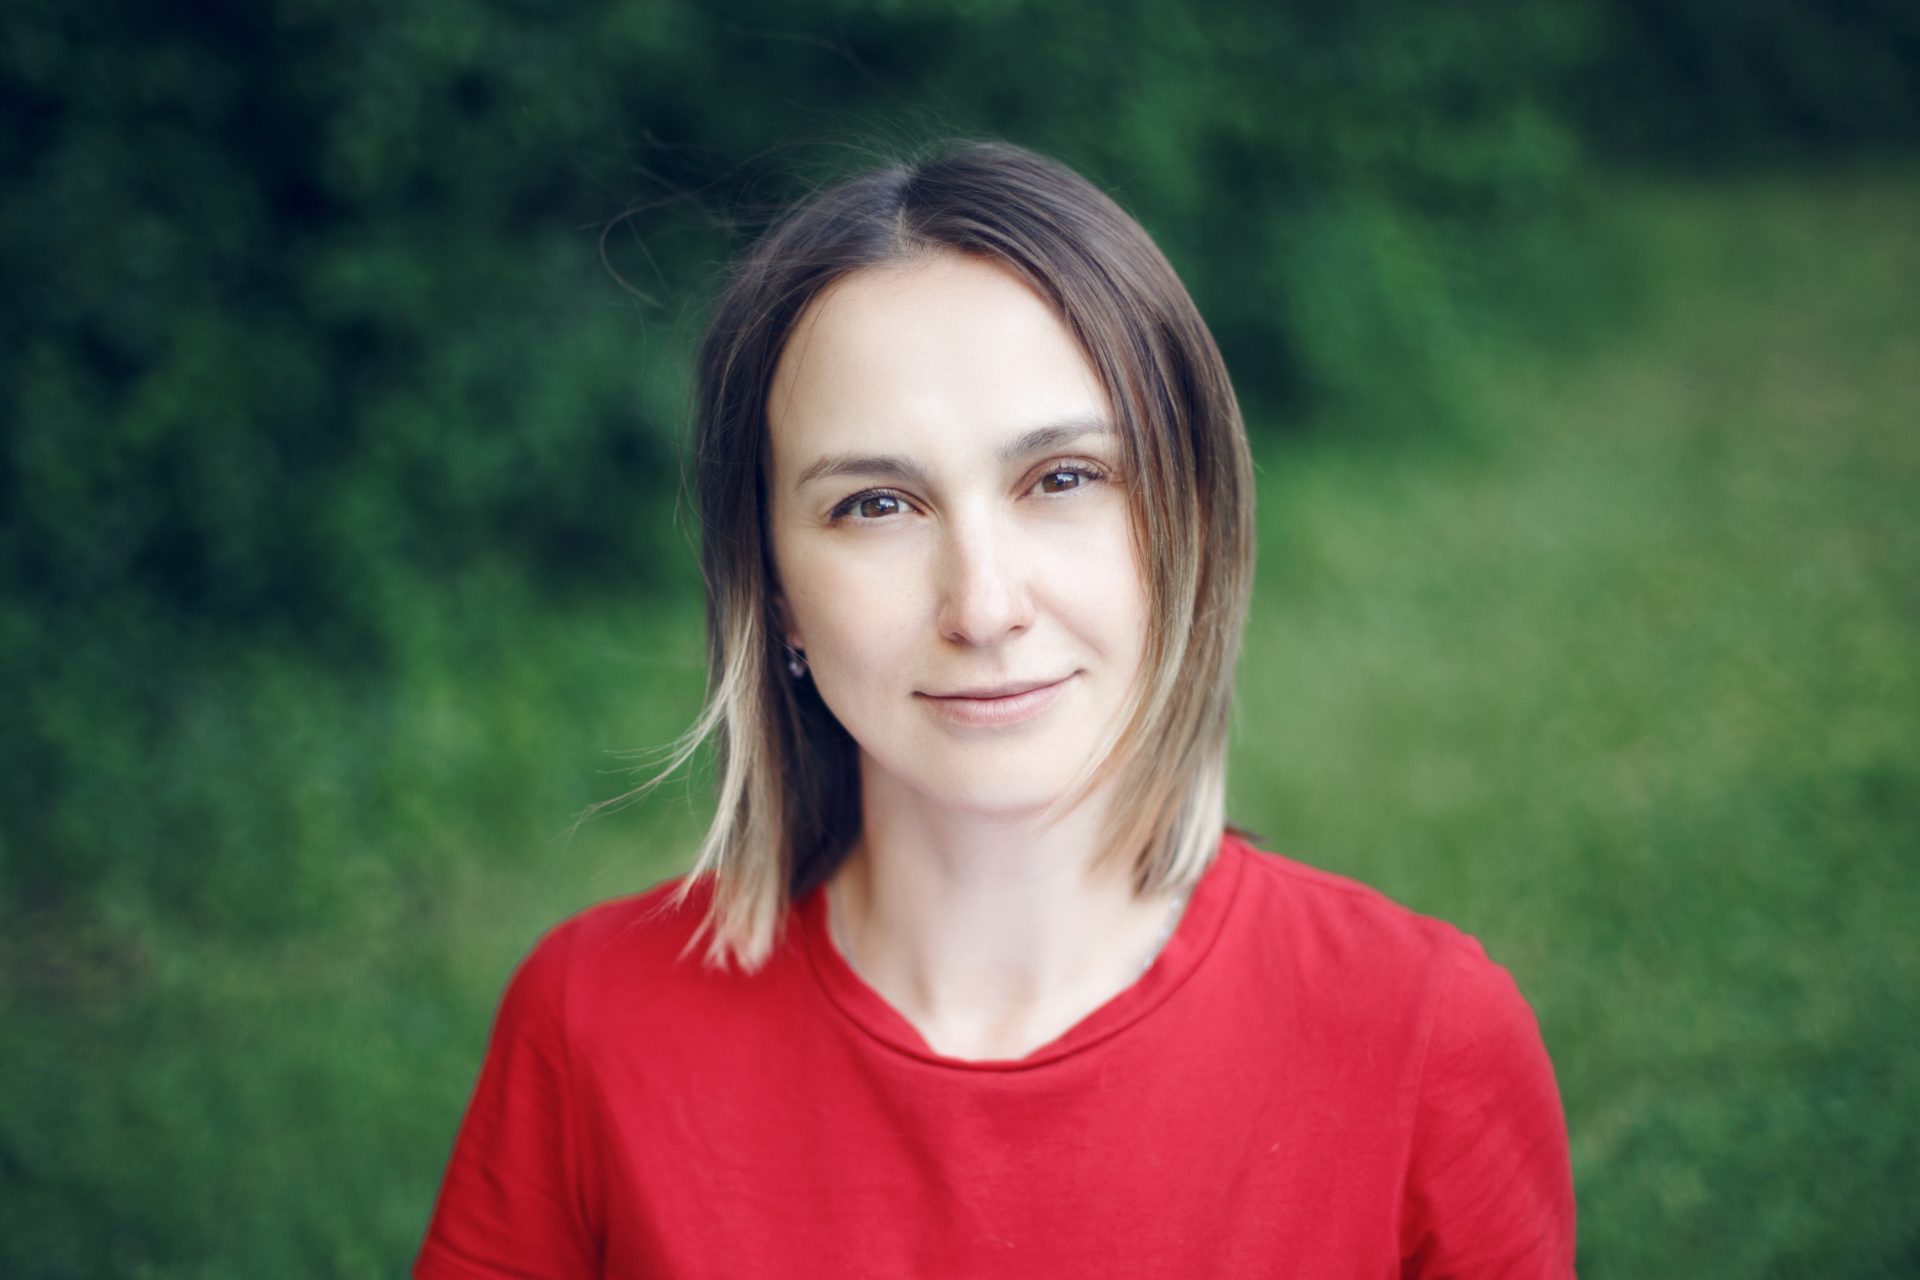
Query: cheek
1096, 576
851, 611
862, 647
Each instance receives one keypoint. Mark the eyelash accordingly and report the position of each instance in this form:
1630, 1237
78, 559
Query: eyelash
1089, 473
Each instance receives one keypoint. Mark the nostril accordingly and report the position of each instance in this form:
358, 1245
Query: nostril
984, 595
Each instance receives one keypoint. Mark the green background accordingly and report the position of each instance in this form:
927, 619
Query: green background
342, 563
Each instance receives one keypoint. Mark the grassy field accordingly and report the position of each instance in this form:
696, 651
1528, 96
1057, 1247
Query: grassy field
1623, 675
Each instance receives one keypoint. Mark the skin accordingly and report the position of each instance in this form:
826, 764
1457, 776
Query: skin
948, 516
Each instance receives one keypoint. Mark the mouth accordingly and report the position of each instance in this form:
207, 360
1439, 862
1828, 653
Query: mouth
996, 706
988, 693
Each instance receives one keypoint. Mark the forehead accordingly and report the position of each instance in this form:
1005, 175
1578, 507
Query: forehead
941, 351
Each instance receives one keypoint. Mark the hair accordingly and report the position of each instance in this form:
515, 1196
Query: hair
787, 775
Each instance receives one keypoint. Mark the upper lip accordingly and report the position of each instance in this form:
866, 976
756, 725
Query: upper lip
1006, 690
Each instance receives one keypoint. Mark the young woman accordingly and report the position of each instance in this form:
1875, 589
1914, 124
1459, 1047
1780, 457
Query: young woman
971, 978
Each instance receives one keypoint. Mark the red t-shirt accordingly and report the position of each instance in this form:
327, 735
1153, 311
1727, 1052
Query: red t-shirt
1310, 1081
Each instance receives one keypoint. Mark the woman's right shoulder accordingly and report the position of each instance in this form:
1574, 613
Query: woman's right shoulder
630, 969
631, 929
620, 947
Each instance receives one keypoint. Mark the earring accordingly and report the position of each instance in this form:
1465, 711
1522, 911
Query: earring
796, 661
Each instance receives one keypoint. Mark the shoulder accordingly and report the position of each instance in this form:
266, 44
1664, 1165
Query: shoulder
1489, 1183
630, 941
637, 966
1331, 926
663, 917
647, 933
1352, 958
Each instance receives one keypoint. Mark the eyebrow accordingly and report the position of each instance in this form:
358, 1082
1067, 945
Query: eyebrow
894, 467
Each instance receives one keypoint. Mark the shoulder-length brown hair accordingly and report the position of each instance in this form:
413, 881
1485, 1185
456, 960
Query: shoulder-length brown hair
788, 805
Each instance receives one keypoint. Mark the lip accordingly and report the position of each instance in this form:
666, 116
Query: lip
997, 706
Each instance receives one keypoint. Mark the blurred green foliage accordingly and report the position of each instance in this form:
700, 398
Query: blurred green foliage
340, 397
308, 312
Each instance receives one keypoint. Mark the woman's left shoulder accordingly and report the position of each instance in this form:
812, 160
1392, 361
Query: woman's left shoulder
1370, 955
1341, 921
1488, 1180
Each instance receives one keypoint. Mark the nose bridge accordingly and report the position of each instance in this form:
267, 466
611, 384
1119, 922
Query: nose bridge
982, 591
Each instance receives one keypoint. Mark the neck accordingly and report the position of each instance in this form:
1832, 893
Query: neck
991, 935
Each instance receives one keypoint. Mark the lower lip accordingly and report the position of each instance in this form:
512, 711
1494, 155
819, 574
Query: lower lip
997, 713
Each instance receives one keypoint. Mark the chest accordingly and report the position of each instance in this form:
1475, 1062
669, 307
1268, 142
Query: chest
1184, 1152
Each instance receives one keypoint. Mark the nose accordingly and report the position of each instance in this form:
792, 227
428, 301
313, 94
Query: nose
983, 589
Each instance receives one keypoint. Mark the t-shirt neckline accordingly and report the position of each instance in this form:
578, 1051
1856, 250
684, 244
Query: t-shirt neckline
1192, 939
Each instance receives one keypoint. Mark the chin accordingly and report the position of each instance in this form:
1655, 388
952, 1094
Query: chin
1006, 775
1012, 786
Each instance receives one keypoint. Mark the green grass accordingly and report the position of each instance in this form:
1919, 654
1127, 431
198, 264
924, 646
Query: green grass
1623, 675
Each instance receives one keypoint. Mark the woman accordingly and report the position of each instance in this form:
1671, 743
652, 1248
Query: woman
971, 978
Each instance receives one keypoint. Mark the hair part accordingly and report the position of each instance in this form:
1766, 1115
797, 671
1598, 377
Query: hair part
787, 773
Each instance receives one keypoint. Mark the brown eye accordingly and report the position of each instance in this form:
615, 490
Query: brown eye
1061, 481
880, 504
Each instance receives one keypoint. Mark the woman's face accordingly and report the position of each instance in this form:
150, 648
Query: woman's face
951, 532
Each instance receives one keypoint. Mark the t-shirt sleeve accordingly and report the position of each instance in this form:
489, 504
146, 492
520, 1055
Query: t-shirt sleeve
512, 1202
1489, 1182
